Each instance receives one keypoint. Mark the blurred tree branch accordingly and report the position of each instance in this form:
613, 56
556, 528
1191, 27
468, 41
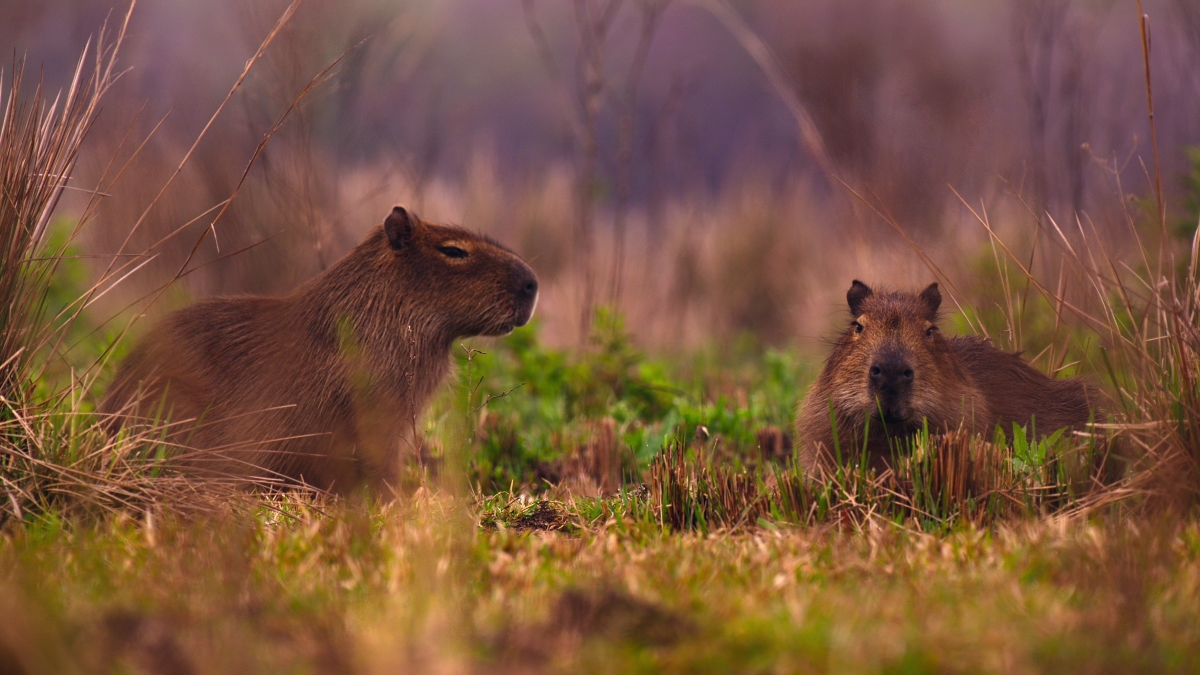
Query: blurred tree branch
651, 12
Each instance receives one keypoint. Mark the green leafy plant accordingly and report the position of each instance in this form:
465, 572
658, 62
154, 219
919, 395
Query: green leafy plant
529, 407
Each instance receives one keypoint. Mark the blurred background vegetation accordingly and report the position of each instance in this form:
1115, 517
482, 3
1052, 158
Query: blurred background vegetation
696, 183
635, 152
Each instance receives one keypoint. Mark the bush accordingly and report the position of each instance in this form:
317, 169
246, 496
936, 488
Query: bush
530, 409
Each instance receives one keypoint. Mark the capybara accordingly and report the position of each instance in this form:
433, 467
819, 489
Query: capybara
893, 370
324, 386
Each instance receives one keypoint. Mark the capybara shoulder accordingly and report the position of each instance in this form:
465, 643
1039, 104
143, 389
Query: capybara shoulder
892, 372
324, 386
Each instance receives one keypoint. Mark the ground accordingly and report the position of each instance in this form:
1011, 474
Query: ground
442, 584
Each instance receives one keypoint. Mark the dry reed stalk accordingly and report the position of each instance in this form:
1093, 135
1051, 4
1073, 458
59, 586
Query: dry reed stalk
40, 142
942, 480
593, 467
651, 13
55, 457
107, 278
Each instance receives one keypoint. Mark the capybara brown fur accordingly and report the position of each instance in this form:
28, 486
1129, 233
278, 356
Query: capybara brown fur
324, 386
892, 371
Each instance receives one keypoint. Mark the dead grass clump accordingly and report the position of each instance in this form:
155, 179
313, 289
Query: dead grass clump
955, 467
937, 481
55, 456
1146, 312
593, 467
51, 457
582, 615
957, 475
1163, 386
57, 460
519, 513
695, 493
544, 515
40, 141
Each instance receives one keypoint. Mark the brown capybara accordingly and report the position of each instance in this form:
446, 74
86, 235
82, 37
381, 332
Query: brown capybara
324, 386
893, 370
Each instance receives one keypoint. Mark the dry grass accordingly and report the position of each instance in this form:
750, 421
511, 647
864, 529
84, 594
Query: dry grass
938, 483
56, 457
415, 587
40, 143
51, 457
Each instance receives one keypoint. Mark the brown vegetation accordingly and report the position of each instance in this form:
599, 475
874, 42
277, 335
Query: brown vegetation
893, 372
320, 386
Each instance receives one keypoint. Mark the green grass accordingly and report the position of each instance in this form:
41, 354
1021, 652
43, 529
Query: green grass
526, 406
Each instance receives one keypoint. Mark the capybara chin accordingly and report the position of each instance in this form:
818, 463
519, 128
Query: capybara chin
893, 371
324, 386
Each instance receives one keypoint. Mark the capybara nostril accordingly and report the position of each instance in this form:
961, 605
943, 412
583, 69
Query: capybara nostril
890, 374
524, 282
525, 292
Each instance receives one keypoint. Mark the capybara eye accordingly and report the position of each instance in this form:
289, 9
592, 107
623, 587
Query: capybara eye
452, 252
929, 331
858, 327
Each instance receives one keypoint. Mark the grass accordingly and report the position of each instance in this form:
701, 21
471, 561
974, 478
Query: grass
708, 556
298, 587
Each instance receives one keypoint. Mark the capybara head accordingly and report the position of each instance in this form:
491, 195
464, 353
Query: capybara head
892, 363
470, 284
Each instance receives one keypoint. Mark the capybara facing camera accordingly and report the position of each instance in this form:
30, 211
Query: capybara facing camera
324, 386
892, 371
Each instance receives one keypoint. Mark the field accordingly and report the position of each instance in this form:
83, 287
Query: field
422, 587
507, 557
615, 487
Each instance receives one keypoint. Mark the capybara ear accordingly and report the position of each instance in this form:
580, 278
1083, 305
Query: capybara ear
855, 296
932, 298
399, 228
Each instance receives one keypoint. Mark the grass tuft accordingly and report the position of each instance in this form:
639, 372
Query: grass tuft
937, 483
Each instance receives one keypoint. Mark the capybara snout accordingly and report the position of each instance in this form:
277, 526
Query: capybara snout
891, 385
524, 294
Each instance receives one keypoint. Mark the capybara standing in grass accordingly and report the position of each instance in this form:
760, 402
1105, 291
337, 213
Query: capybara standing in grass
893, 370
324, 386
